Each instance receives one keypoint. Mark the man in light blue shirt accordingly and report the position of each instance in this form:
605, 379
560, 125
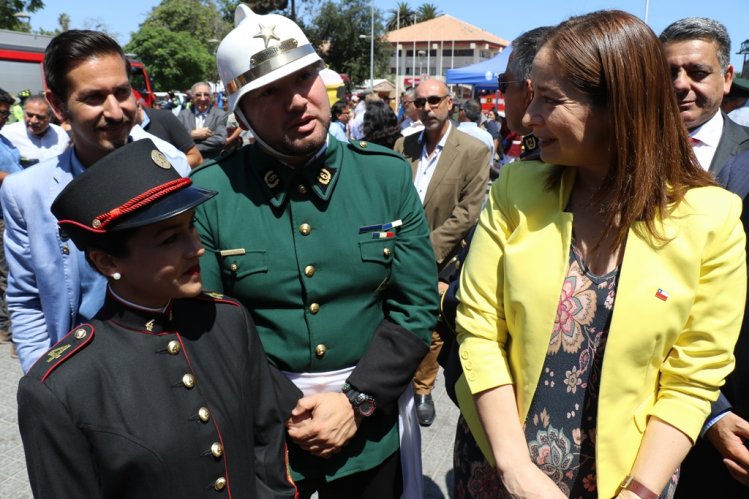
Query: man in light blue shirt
341, 114
51, 287
468, 117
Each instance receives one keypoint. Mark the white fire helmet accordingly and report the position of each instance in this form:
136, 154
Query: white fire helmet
260, 50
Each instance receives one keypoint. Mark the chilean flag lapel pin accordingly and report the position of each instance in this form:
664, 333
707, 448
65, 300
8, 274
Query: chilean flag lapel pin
661, 294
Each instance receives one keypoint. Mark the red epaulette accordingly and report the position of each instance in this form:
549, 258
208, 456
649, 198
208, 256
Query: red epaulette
69, 345
216, 298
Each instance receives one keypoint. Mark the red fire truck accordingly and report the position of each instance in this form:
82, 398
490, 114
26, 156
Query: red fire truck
21, 56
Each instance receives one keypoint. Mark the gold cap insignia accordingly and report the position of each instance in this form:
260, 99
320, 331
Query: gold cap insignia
271, 179
160, 160
324, 176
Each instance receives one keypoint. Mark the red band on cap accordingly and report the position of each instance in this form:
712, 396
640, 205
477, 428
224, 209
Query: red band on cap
142, 200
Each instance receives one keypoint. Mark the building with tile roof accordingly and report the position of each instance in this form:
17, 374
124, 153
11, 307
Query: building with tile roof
429, 48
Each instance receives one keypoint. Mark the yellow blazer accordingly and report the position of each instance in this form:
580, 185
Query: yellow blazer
662, 358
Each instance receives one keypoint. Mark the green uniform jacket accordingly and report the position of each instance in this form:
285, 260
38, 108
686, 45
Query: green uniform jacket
325, 292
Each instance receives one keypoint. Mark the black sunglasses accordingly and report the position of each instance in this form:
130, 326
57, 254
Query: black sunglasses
502, 83
433, 100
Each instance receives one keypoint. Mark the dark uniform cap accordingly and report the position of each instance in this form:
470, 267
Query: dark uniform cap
133, 186
739, 87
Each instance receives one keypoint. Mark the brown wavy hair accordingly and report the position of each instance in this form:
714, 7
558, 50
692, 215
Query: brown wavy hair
618, 61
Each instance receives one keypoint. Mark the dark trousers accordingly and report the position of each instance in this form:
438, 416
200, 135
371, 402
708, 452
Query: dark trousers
4, 317
382, 482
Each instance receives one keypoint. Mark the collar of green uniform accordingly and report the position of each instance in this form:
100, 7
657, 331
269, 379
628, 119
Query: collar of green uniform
319, 177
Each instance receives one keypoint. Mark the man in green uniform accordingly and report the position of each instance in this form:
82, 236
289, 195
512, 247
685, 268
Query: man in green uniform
326, 243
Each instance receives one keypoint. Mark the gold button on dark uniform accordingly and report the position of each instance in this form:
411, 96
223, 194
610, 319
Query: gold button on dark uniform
173, 347
305, 229
233, 267
387, 251
301, 189
204, 414
309, 270
188, 380
314, 308
320, 350
217, 450
80, 334
219, 484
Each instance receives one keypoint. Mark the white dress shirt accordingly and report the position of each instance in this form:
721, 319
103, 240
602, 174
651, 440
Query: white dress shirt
708, 136
51, 143
427, 163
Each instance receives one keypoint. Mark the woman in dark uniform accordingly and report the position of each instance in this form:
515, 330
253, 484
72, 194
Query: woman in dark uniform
167, 392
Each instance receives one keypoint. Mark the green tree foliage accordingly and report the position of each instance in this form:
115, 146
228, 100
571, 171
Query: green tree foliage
10, 7
177, 42
427, 11
173, 58
403, 11
200, 18
335, 32
64, 21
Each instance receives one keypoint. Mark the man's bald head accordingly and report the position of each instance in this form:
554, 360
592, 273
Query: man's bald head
433, 101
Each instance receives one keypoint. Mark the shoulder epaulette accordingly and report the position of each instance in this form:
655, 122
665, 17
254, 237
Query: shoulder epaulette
72, 343
216, 298
371, 148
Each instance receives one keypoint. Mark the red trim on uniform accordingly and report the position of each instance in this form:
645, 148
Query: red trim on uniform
68, 354
204, 297
213, 417
142, 200
288, 470
81, 226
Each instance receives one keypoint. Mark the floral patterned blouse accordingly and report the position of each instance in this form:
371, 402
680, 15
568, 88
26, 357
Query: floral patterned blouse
561, 425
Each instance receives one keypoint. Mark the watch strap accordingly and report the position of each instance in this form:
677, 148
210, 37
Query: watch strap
631, 484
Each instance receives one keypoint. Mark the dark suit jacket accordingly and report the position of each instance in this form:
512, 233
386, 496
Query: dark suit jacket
216, 121
457, 189
734, 139
703, 473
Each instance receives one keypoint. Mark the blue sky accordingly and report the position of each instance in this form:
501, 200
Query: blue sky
506, 19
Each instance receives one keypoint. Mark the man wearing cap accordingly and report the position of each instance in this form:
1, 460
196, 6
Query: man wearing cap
35, 137
205, 122
50, 285
740, 91
698, 50
326, 243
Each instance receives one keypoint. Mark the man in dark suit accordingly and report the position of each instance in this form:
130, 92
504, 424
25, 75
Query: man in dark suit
698, 50
718, 465
205, 122
450, 174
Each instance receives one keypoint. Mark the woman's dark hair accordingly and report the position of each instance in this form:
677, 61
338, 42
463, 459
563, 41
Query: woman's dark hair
380, 124
617, 60
112, 243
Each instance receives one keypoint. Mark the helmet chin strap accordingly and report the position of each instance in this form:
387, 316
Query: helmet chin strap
274, 152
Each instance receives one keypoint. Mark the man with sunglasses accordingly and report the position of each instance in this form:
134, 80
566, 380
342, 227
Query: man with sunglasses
205, 122
411, 124
451, 172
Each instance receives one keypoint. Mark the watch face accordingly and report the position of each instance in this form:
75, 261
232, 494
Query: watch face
366, 408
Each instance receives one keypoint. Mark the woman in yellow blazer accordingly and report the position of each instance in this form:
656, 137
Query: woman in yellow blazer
648, 255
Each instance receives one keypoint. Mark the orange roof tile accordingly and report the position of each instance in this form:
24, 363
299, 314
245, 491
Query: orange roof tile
444, 27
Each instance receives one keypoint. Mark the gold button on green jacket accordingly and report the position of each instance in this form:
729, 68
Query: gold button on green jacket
344, 262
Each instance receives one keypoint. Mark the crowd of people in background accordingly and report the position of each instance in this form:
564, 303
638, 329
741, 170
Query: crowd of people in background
280, 274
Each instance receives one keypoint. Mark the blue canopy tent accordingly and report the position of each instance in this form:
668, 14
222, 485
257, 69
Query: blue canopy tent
482, 75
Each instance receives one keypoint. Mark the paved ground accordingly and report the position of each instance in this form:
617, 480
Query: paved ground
437, 440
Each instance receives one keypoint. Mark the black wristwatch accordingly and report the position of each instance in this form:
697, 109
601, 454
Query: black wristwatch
363, 404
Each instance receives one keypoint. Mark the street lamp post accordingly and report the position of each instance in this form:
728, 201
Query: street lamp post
371, 51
